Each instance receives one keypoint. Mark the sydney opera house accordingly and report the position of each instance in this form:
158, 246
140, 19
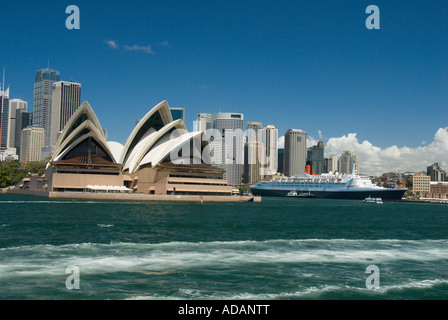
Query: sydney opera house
160, 157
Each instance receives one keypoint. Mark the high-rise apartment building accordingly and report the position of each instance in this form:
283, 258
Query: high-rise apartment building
42, 100
346, 161
230, 127
66, 99
315, 158
32, 143
269, 138
295, 152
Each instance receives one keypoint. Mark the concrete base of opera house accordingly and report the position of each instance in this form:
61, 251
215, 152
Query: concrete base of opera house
134, 196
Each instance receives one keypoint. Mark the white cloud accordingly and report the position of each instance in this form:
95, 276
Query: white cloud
147, 49
112, 44
311, 141
375, 160
281, 142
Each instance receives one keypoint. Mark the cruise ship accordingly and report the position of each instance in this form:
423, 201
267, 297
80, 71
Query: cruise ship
327, 185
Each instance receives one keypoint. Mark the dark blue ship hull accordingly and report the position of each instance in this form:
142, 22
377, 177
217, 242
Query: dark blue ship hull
386, 194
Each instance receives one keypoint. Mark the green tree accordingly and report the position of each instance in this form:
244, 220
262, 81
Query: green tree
410, 182
11, 172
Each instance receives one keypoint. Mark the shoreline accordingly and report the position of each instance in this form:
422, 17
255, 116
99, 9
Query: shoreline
437, 201
134, 196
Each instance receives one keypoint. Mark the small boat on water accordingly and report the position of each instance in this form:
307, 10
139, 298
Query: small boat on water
373, 200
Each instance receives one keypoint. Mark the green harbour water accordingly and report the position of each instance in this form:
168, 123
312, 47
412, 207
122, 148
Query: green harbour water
279, 249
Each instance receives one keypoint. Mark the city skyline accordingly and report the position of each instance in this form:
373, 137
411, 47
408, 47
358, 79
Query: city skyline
317, 68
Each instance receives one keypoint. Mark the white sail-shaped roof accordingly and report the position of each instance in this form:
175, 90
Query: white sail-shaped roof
145, 145
159, 153
154, 120
82, 125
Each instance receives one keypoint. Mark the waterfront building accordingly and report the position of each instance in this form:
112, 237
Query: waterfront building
295, 152
436, 173
42, 100
438, 190
32, 142
159, 157
315, 158
421, 184
230, 126
346, 161
66, 99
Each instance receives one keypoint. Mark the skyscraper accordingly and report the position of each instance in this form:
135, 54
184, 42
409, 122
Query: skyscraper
16, 106
42, 100
252, 130
315, 157
230, 126
253, 162
281, 160
295, 152
346, 162
32, 143
4, 118
66, 99
269, 138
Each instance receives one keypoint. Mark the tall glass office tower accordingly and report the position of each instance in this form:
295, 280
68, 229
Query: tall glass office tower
231, 126
66, 99
42, 100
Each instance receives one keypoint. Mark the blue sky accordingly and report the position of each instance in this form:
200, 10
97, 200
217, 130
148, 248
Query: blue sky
310, 65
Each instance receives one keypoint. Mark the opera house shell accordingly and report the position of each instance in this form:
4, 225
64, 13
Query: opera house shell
159, 157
